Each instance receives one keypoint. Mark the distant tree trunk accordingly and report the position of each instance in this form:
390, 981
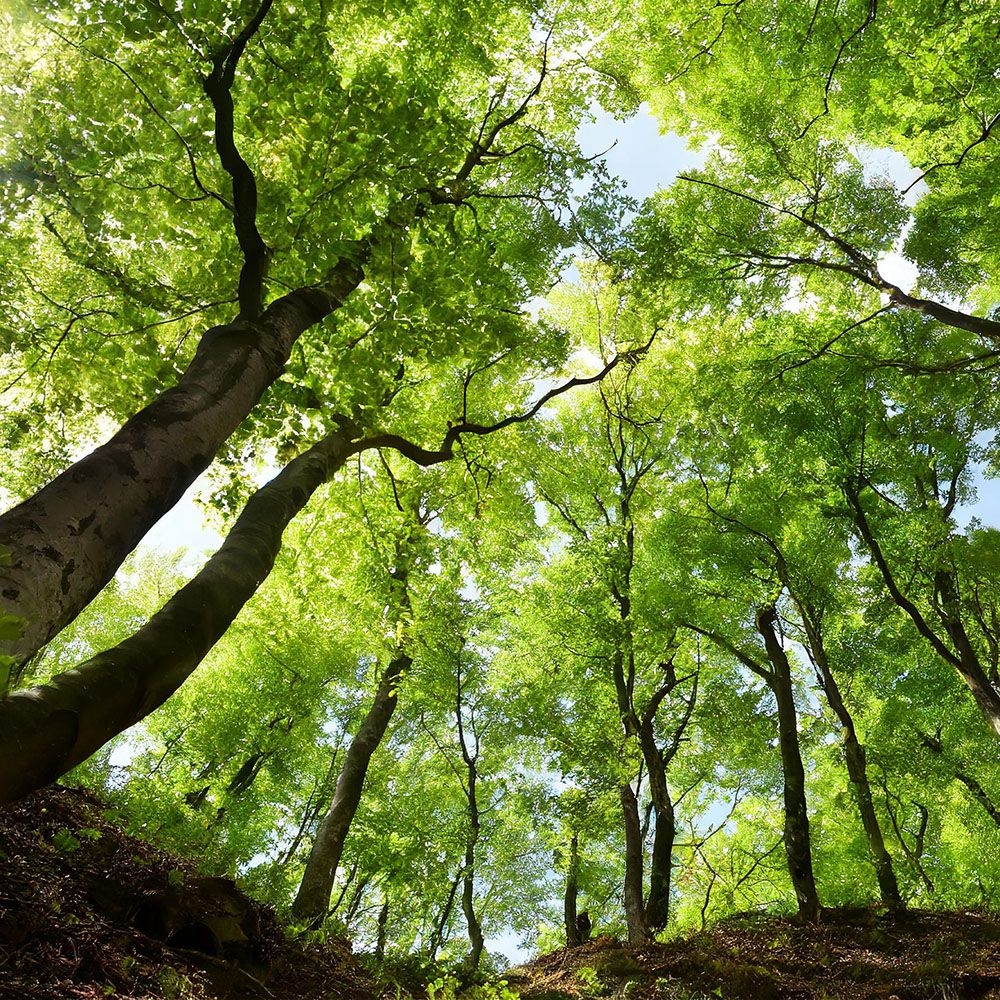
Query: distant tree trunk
960, 653
468, 742
356, 897
437, 934
569, 897
798, 851
476, 941
635, 911
313, 898
857, 766
915, 853
383, 920
934, 744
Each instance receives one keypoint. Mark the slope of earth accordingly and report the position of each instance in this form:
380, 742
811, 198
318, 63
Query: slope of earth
88, 912
857, 954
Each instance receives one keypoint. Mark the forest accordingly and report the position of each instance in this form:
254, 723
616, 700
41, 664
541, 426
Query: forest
563, 565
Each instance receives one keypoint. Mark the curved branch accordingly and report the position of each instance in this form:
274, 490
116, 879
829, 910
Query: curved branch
218, 86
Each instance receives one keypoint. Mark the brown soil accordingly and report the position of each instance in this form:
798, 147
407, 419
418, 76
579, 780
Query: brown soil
858, 954
88, 912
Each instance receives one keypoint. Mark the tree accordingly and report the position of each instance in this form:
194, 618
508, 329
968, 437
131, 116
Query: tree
66, 541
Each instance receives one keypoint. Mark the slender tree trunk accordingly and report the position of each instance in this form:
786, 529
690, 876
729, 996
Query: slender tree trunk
664, 832
437, 935
313, 898
857, 768
67, 541
798, 850
635, 911
976, 790
569, 896
961, 654
45, 731
383, 920
476, 941
355, 904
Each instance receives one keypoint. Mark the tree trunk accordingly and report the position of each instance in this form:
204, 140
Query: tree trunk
857, 768
797, 843
383, 920
569, 897
476, 941
313, 898
664, 831
67, 541
934, 744
45, 731
635, 911
437, 935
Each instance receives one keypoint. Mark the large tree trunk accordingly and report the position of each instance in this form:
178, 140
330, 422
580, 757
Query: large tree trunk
66, 542
798, 852
313, 898
857, 765
45, 731
635, 911
570, 894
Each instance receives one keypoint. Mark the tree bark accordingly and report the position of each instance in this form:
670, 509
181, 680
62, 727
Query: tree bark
313, 898
976, 790
798, 850
437, 935
635, 911
476, 940
383, 920
66, 542
857, 765
664, 832
570, 894
47, 730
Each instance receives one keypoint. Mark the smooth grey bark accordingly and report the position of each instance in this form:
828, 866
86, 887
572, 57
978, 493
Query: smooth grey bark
635, 910
570, 893
798, 848
855, 759
66, 542
313, 898
47, 730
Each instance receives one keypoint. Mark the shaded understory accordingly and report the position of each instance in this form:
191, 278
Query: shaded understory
89, 912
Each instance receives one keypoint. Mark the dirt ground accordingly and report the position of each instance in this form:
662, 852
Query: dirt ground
860, 954
88, 912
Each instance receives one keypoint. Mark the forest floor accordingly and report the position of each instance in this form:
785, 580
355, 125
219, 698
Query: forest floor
852, 954
88, 912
